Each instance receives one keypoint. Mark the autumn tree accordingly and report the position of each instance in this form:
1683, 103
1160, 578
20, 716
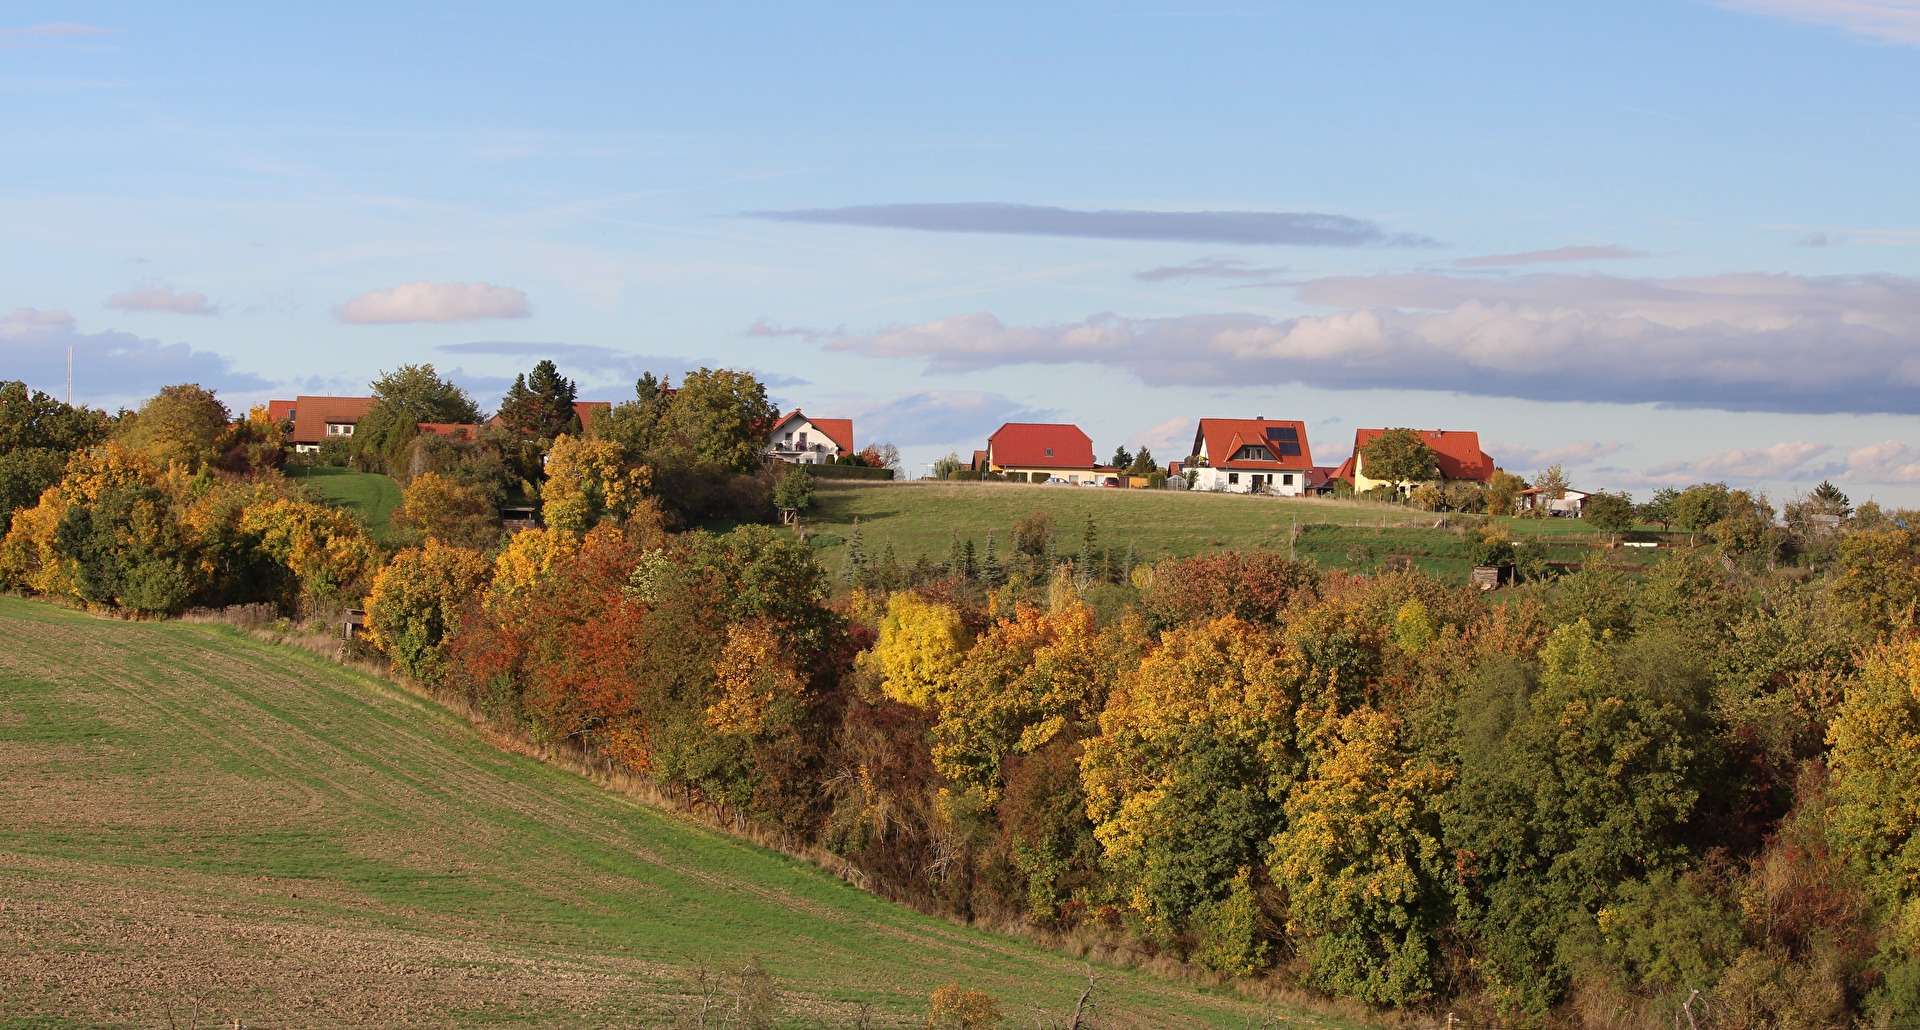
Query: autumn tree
434, 506
37, 433
326, 556
416, 603
402, 399
1609, 513
1363, 865
723, 415
589, 480
920, 650
1399, 456
180, 424
1186, 782
794, 492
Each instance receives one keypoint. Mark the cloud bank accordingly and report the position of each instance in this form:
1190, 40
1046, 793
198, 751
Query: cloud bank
1250, 228
162, 298
1516, 458
109, 367
434, 302
1888, 21
1607, 252
1738, 342
1890, 462
945, 417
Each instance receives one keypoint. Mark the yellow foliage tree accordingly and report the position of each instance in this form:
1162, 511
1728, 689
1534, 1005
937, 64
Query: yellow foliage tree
324, 549
454, 513
529, 558
416, 602
29, 556
919, 651
754, 678
962, 1008
589, 480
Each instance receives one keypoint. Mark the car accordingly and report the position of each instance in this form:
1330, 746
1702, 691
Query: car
1056, 481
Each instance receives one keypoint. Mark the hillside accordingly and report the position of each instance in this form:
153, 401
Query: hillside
919, 518
189, 815
369, 495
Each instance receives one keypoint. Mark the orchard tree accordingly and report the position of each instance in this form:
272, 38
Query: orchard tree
1661, 508
1399, 456
794, 493
1610, 513
1552, 483
1503, 492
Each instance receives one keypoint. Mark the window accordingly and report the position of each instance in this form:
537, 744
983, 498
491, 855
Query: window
1049, 452
339, 429
789, 437
1287, 480
1233, 479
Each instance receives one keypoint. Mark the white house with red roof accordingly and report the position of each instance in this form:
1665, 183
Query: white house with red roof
1039, 451
1458, 452
801, 440
1251, 456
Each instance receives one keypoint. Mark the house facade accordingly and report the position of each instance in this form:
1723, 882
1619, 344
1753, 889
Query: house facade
1458, 452
1571, 504
800, 440
1251, 456
318, 419
1039, 451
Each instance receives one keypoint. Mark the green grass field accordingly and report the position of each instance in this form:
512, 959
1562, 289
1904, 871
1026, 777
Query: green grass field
369, 495
918, 518
189, 816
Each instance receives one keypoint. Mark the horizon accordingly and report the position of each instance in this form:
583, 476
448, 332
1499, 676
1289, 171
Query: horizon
1658, 244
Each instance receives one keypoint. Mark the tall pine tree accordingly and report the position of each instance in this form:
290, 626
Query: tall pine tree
539, 405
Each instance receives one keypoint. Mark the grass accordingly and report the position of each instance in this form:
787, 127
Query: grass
190, 816
369, 495
918, 519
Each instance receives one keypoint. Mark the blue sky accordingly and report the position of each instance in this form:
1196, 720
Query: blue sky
1658, 242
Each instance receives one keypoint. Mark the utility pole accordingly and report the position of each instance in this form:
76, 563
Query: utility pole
69, 377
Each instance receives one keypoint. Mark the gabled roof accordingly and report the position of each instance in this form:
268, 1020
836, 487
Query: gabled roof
1025, 445
1458, 450
312, 415
280, 411
587, 411
1222, 438
839, 430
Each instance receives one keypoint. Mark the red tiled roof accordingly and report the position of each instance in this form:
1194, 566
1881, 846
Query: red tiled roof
1458, 450
280, 411
979, 461
1026, 445
587, 411
448, 429
312, 415
1221, 438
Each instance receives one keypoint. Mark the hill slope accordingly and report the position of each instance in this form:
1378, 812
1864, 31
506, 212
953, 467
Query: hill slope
187, 813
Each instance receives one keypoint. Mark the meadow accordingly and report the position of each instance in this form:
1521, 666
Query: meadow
196, 824
921, 519
370, 495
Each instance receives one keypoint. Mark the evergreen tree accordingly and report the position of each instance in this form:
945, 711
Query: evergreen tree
540, 404
1121, 459
968, 564
1129, 563
856, 555
889, 568
990, 569
1089, 549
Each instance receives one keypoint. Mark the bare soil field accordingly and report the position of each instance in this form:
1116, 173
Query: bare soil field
197, 827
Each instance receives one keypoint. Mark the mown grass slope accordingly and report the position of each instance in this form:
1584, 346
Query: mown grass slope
190, 816
920, 518
369, 495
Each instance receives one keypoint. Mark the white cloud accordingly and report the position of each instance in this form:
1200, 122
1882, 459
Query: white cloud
435, 302
1516, 458
1742, 341
109, 367
1890, 21
1780, 461
162, 298
1887, 462
1169, 440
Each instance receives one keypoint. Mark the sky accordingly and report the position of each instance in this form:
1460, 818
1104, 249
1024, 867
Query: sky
1656, 242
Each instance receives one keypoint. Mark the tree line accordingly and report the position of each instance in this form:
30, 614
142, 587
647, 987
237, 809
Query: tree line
1578, 801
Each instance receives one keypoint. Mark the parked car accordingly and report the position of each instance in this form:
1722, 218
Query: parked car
1056, 481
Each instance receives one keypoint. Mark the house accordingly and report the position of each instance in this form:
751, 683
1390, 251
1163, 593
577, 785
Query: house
801, 440
589, 411
1320, 480
1039, 451
1458, 452
1572, 503
1251, 456
318, 419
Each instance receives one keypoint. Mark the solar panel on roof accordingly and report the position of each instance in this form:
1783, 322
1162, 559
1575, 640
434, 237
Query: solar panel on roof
1283, 433
1290, 449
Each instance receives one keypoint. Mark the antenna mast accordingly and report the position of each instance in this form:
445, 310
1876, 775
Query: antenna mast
69, 377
